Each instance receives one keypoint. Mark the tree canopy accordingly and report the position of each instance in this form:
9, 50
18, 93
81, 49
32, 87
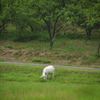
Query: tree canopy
50, 15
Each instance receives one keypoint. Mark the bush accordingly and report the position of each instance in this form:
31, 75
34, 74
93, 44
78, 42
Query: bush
27, 36
9, 46
41, 61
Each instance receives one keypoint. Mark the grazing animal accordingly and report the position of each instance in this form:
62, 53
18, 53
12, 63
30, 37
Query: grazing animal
47, 71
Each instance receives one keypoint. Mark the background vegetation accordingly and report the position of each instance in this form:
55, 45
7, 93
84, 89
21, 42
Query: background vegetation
39, 23
28, 17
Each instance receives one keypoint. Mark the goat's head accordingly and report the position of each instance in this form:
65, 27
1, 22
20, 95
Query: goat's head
44, 76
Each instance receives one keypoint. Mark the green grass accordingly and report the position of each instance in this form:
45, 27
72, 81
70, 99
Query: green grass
19, 82
48, 91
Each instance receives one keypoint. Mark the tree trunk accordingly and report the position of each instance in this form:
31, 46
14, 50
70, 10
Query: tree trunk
50, 38
98, 50
51, 44
52, 31
88, 33
2, 28
32, 29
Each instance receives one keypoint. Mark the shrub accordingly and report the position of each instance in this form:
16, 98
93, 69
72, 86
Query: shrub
9, 46
41, 61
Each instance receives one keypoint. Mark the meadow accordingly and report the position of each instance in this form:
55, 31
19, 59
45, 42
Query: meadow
20, 82
29, 29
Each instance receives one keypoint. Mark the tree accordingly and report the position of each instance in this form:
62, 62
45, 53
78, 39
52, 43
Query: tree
50, 12
24, 15
4, 14
84, 13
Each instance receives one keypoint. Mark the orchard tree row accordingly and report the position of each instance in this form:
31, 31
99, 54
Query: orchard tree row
50, 15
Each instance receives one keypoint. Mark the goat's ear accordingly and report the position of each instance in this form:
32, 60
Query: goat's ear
41, 77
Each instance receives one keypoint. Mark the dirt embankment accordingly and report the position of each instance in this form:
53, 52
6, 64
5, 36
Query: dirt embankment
10, 51
26, 55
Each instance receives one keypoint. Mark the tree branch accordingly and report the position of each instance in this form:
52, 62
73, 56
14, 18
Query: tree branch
55, 24
56, 33
2, 27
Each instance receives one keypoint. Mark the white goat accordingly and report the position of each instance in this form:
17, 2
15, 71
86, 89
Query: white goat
48, 70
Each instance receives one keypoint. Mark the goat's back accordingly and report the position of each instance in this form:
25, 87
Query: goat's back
49, 69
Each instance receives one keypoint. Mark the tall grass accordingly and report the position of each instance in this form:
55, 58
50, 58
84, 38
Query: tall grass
48, 91
24, 83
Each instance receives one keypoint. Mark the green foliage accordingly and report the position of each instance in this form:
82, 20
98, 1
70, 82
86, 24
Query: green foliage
4, 14
31, 16
27, 36
22, 37
44, 61
9, 46
83, 15
97, 55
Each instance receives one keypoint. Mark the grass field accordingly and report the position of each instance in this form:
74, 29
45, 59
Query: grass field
19, 82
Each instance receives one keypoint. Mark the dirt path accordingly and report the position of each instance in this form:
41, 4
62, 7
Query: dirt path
74, 67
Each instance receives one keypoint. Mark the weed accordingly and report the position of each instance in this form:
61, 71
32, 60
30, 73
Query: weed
1, 59
91, 59
97, 55
9, 46
1, 50
41, 61
18, 54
